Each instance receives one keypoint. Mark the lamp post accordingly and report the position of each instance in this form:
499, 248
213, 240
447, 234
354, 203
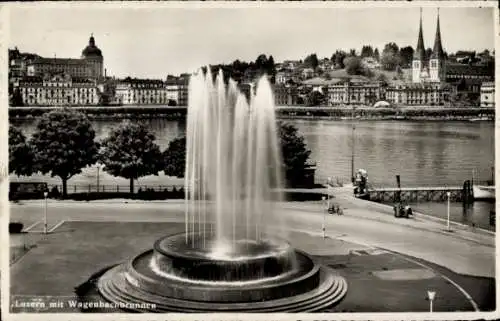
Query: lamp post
45, 194
352, 145
448, 212
98, 167
323, 225
431, 295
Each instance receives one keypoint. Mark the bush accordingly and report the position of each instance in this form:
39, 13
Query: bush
15, 228
302, 196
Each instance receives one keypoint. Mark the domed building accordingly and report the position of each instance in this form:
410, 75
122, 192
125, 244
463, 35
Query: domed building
89, 65
93, 55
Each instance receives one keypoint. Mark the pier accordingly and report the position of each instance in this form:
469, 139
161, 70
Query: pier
419, 194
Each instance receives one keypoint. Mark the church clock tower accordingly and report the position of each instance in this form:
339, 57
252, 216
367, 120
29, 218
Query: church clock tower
419, 64
437, 63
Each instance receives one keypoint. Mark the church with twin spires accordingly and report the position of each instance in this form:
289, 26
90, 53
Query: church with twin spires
429, 69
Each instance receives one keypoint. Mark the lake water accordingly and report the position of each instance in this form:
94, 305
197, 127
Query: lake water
423, 153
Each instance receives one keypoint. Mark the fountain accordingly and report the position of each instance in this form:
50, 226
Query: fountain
231, 257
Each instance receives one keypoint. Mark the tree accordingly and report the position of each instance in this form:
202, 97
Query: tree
16, 100
311, 61
314, 98
376, 54
338, 59
406, 54
382, 78
271, 69
20, 153
428, 53
366, 51
352, 53
174, 158
354, 66
261, 62
130, 151
63, 144
390, 56
294, 153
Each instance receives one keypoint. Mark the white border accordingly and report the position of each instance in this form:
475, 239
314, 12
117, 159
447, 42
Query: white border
5, 282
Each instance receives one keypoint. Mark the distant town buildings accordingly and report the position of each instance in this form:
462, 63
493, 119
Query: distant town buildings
488, 94
286, 95
355, 93
89, 65
141, 92
171, 92
57, 90
432, 78
426, 94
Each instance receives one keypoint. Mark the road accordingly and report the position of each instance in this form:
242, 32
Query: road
462, 252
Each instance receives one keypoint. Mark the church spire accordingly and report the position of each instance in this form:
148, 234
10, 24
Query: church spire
437, 51
420, 51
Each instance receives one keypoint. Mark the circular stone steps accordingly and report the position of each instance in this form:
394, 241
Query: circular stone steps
117, 289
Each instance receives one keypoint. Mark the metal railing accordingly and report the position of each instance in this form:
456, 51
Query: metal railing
107, 188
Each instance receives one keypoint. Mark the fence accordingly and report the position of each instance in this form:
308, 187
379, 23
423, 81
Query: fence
93, 188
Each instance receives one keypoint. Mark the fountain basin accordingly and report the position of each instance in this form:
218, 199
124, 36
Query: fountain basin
299, 286
201, 258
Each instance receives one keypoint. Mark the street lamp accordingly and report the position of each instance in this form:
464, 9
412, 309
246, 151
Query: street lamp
353, 142
45, 194
431, 295
98, 167
448, 212
323, 226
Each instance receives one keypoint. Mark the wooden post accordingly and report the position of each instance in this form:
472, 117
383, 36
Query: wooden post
398, 193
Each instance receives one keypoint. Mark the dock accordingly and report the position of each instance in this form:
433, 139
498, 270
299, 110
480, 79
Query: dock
418, 194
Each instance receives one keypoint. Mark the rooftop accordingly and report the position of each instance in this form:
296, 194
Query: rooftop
59, 61
472, 70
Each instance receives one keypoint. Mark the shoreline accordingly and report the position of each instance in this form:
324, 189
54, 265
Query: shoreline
409, 113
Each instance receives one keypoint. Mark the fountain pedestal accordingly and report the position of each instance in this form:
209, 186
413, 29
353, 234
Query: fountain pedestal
268, 276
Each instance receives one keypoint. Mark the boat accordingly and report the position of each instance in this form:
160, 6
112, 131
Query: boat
484, 118
484, 192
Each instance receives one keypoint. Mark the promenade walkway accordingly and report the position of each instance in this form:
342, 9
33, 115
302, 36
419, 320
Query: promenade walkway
463, 251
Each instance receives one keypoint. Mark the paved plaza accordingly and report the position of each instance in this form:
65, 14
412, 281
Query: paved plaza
389, 263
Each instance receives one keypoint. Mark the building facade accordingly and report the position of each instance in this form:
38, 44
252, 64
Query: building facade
58, 90
285, 95
132, 91
172, 92
355, 93
18, 63
430, 94
488, 94
183, 86
90, 65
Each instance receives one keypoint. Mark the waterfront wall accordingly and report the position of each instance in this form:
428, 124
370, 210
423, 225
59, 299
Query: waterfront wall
284, 112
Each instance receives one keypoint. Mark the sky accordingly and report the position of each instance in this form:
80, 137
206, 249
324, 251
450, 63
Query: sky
154, 41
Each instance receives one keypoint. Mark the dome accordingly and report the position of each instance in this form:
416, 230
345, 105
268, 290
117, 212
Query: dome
91, 50
382, 103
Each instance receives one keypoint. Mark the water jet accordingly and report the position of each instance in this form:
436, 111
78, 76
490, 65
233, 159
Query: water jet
228, 259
